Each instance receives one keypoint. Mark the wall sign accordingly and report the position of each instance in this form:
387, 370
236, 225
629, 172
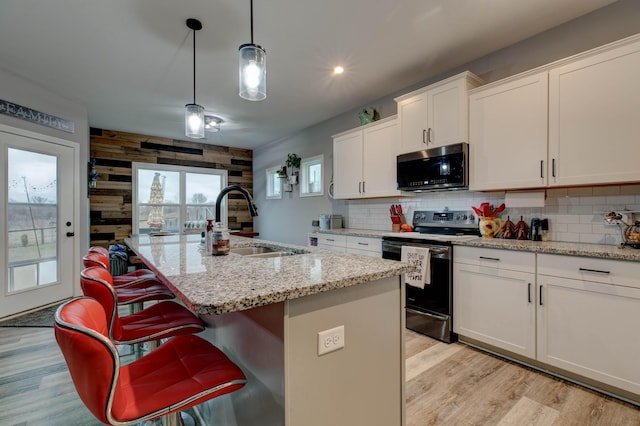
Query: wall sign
28, 114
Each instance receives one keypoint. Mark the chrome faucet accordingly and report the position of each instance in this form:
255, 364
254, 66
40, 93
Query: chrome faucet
253, 210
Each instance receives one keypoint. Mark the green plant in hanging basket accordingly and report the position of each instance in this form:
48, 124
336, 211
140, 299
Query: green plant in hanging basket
282, 172
293, 161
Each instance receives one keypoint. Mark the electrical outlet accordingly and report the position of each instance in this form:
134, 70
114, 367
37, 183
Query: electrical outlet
330, 340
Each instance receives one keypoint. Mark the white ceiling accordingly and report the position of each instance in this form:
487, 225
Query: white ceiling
130, 61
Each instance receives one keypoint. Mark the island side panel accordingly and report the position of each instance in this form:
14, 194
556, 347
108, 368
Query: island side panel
253, 339
360, 384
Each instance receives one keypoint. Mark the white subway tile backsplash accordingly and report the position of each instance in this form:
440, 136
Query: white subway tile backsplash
575, 214
581, 228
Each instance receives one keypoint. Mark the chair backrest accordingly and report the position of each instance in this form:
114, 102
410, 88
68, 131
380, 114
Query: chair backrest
81, 332
94, 258
97, 283
98, 249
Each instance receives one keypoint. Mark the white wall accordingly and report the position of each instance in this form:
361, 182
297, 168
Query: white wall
289, 219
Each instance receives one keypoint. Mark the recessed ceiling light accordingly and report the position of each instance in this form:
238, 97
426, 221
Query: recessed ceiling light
212, 123
338, 70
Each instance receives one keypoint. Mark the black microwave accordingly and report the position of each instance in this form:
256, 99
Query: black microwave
436, 169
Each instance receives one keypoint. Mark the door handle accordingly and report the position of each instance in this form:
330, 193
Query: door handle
529, 292
429, 135
424, 135
542, 169
540, 300
70, 234
553, 167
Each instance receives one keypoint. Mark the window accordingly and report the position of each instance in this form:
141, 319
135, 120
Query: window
274, 183
175, 198
311, 176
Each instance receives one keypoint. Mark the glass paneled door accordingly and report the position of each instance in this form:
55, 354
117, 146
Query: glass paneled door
37, 222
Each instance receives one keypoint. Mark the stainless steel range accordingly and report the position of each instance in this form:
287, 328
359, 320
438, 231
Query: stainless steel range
429, 310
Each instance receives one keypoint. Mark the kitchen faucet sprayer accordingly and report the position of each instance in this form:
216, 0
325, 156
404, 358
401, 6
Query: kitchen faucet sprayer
253, 210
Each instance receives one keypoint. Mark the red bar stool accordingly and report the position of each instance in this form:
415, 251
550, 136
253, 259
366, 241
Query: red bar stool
137, 290
184, 372
161, 320
102, 254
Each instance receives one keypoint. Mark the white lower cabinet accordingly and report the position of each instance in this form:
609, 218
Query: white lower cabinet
494, 298
587, 323
333, 242
366, 246
578, 314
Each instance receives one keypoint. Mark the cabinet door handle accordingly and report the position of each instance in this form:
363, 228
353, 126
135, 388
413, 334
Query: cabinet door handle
542, 169
529, 292
429, 136
329, 239
363, 244
360, 187
70, 234
540, 300
593, 270
490, 258
363, 190
553, 167
424, 135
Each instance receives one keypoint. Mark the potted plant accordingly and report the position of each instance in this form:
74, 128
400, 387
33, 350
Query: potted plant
293, 162
282, 172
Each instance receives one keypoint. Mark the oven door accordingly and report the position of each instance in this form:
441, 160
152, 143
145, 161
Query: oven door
428, 309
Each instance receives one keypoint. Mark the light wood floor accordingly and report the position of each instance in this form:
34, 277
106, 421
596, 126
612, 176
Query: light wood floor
446, 385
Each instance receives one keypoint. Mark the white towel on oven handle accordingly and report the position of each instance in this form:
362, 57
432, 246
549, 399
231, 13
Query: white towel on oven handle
421, 259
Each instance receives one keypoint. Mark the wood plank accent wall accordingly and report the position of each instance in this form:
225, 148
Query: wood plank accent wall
110, 202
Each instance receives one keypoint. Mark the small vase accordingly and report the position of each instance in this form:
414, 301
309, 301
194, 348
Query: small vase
490, 226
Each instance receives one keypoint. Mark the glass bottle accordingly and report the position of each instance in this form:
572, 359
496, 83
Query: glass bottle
209, 235
220, 240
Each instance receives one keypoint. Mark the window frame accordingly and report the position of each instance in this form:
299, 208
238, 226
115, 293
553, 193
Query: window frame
270, 172
182, 204
305, 165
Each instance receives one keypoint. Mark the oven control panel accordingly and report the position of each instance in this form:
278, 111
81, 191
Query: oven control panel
449, 218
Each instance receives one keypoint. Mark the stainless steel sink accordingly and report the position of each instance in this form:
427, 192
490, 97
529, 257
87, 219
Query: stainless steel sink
263, 251
272, 254
248, 251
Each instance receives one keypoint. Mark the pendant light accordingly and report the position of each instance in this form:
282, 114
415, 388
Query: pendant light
253, 69
194, 113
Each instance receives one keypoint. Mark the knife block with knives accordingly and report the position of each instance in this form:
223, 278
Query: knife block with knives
397, 217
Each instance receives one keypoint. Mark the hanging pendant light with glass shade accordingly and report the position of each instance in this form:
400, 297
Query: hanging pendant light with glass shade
194, 113
253, 69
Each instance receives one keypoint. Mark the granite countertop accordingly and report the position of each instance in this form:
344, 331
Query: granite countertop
602, 251
219, 284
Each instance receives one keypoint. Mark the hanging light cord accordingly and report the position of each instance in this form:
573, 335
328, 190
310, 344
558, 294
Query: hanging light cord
251, 21
194, 66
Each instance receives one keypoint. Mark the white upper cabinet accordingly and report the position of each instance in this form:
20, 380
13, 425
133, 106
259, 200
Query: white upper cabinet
508, 134
364, 161
436, 115
594, 124
573, 122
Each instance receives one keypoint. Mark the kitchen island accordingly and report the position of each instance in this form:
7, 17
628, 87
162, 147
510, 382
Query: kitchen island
266, 314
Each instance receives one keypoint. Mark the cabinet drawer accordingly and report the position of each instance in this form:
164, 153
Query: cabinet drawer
495, 258
605, 271
332, 240
364, 243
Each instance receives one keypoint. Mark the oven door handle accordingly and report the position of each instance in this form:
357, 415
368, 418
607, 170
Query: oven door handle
438, 316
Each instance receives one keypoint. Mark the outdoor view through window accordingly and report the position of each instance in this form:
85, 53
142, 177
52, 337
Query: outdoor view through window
32, 215
174, 198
